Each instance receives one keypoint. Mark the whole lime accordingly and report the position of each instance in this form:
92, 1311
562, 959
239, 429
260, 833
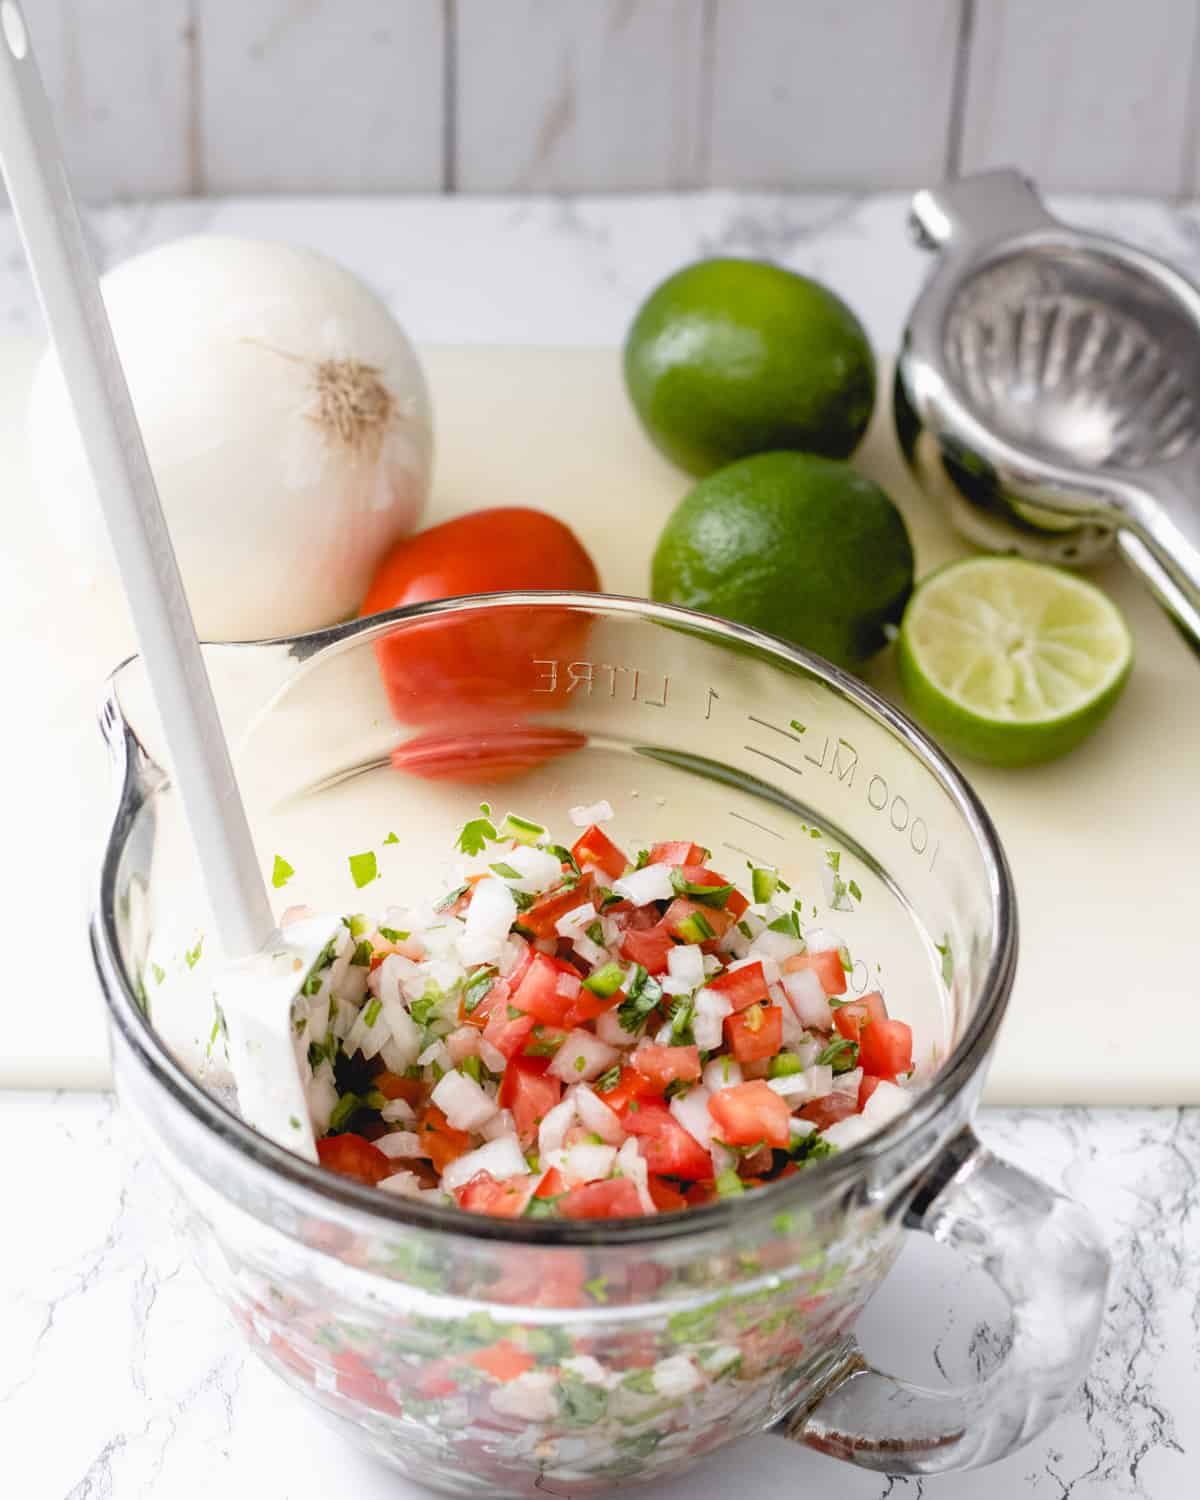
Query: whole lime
801, 547
732, 357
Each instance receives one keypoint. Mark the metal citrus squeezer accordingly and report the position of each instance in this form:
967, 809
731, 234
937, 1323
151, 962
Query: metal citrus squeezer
1048, 387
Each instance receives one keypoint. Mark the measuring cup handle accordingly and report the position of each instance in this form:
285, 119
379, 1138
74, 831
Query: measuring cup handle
1046, 1255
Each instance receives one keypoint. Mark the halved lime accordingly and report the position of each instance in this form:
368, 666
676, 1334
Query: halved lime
1011, 662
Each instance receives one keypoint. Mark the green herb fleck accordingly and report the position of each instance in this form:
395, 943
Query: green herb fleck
364, 868
564, 857
506, 871
159, 973
392, 838
451, 897
789, 923
947, 960
729, 1184
192, 956
596, 932
745, 930
810, 1147
706, 895
477, 986
640, 1381
782, 1223
597, 1288
841, 1055
524, 830
371, 1014
476, 833
346, 1107
281, 872
642, 995
683, 1013
473, 1068
608, 1081
391, 935
581, 1404
853, 888
293, 1122
362, 955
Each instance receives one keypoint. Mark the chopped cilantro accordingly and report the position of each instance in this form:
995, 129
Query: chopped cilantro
641, 1381
642, 995
476, 833
608, 897
523, 899
219, 1026
392, 935
473, 1068
362, 955
841, 1055
745, 930
364, 868
846, 961
343, 1111
810, 1147
514, 1014
597, 1288
947, 960
683, 1013
542, 1208
853, 888
643, 859
159, 973
477, 986
505, 871
424, 1009
839, 891
371, 1014
580, 1403
705, 895
694, 928
729, 1184
580, 1063
782, 1223
608, 1081
789, 923
281, 872
192, 956
565, 857
595, 932
293, 1122
392, 838
451, 897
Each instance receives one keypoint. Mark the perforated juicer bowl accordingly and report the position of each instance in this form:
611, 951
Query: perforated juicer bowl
1048, 389
524, 1357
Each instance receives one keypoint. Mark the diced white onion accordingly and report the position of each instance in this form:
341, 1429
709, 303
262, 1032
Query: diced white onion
502, 1158
799, 1088
596, 1115
491, 913
403, 1184
800, 1128
676, 1377
712, 964
491, 1057
401, 1143
847, 1083
686, 962
887, 1101
776, 945
532, 1396
590, 952
552, 1132
691, 1110
807, 999
708, 1018
582, 1056
610, 1030
435, 1053
322, 1097
848, 1132
722, 1073
723, 1159
651, 883
464, 1103
576, 921
587, 1163
823, 940
398, 1112
632, 1164
537, 869
597, 812
501, 1123
463, 1043
567, 986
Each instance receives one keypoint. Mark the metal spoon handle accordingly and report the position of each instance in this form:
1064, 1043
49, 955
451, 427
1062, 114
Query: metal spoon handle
70, 297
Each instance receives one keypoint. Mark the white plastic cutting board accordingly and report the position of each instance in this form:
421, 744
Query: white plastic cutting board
1105, 844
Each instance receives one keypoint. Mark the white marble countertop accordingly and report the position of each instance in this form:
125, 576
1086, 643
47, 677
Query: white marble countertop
119, 1377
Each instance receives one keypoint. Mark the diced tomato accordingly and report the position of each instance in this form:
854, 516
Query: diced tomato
682, 911
756, 1033
288, 1355
551, 1185
667, 1147
735, 902
615, 1199
829, 1110
677, 853
743, 987
547, 909
701, 1193
496, 999
885, 1048
358, 1382
530, 1092
537, 994
396, 1086
354, 1157
435, 1381
826, 965
586, 1007
517, 972
629, 1086
661, 1066
508, 1033
648, 948
507, 1198
666, 1199
865, 1089
499, 752
748, 1113
502, 1361
856, 1016
594, 847
443, 1143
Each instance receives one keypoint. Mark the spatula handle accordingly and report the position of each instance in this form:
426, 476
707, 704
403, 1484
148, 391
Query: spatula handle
70, 297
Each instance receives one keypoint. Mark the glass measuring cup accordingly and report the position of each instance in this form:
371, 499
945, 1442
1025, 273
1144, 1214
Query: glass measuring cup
513, 1357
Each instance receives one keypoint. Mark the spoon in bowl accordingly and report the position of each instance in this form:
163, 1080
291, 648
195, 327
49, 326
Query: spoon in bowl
262, 986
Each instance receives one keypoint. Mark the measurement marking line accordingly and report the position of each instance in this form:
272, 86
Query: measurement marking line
766, 755
766, 724
762, 827
753, 858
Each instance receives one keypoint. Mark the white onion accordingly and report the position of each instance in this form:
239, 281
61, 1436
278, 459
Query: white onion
590, 952
708, 1019
398, 1112
502, 1158
676, 1376
691, 1110
537, 869
587, 1163
403, 1184
848, 1083
322, 1098
610, 1030
286, 420
807, 999
463, 1043
567, 986
886, 1102
576, 921
722, 1073
848, 1132
491, 913
552, 1132
632, 1164
500, 1124
401, 1143
464, 1103
598, 812
776, 945
823, 940
686, 962
652, 883
596, 1115
582, 1056
491, 1057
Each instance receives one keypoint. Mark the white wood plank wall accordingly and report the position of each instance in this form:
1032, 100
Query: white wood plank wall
158, 97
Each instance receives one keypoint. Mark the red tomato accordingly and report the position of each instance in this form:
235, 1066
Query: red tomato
853, 1018
502, 1361
358, 1382
614, 1199
440, 1139
827, 965
678, 853
629, 1086
748, 1113
743, 987
546, 910
586, 1007
594, 847
551, 1185
829, 1110
756, 1033
443, 664
648, 947
530, 1092
865, 1089
885, 1048
491, 752
665, 1197
355, 1157
508, 1034
505, 1199
735, 902
681, 911
661, 1066
667, 1147
537, 994
396, 1086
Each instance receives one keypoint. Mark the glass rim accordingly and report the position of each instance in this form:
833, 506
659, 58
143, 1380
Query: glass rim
329, 1191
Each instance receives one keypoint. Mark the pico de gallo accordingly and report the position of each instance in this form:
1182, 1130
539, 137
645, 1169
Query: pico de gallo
585, 1032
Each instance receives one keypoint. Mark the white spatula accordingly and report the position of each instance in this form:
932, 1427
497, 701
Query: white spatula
267, 968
